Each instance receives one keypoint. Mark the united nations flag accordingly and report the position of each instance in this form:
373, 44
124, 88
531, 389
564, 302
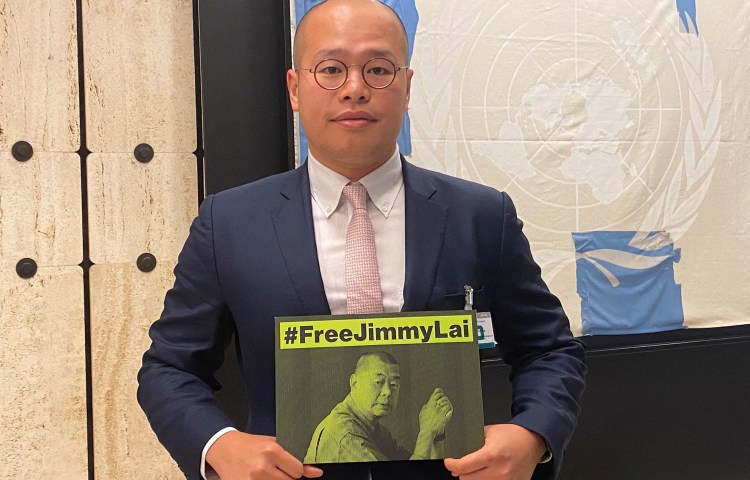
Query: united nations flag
626, 282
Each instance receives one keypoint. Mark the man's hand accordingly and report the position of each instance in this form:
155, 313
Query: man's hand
433, 417
510, 452
241, 456
435, 414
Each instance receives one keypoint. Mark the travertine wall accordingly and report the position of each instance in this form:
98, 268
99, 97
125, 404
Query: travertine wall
138, 88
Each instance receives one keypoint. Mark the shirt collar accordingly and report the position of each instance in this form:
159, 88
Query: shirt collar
382, 184
351, 408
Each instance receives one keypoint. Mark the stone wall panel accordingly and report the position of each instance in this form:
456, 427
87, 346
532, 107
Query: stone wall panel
40, 209
140, 75
124, 303
136, 207
43, 371
39, 65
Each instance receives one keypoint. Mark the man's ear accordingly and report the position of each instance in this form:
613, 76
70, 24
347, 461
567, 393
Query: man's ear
352, 381
409, 74
292, 86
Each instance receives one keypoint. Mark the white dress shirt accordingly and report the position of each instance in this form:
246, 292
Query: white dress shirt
331, 213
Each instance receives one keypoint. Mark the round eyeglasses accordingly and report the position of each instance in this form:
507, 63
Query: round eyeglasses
331, 74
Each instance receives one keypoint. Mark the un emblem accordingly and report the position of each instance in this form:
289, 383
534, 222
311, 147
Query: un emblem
594, 116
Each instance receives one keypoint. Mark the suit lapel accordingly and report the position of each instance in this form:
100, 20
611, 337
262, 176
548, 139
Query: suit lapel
295, 233
425, 231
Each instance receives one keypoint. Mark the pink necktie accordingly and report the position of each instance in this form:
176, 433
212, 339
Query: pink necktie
363, 293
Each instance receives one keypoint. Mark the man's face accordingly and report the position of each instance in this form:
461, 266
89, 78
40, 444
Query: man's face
355, 125
375, 387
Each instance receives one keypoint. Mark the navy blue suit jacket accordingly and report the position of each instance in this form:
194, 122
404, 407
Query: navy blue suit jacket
251, 256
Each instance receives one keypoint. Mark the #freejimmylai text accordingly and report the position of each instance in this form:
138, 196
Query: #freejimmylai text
369, 331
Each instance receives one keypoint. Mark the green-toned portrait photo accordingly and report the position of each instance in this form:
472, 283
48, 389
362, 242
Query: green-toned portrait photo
379, 403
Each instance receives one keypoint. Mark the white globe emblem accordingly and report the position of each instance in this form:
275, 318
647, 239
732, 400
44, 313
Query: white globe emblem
585, 114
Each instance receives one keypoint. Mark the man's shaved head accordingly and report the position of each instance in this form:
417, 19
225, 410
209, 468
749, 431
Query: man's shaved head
326, 7
384, 357
351, 129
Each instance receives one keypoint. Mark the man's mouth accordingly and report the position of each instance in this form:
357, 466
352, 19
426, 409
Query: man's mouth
354, 119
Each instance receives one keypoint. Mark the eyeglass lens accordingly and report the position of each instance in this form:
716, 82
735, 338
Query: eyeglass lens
377, 73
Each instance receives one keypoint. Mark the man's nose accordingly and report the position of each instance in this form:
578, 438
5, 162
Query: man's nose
355, 87
386, 390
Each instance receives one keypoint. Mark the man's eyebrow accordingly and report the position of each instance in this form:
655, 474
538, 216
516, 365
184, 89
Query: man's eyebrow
329, 52
334, 52
381, 53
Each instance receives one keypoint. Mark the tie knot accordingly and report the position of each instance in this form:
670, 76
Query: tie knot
356, 193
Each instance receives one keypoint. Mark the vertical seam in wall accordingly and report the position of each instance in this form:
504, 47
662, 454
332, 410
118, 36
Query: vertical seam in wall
199, 152
85, 265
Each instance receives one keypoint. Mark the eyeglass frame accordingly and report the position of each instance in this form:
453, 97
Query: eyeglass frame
396, 69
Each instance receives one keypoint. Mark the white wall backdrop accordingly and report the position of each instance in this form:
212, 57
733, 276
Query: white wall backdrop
611, 120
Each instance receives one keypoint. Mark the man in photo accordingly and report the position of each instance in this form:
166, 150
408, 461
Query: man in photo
352, 432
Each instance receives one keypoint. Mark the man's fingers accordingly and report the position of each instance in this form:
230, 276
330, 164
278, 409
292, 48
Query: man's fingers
288, 464
443, 402
439, 398
310, 471
470, 463
445, 407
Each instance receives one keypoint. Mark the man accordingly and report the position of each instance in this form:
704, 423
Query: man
276, 248
352, 431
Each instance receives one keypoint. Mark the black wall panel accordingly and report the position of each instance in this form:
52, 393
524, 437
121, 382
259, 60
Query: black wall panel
247, 122
662, 409
244, 55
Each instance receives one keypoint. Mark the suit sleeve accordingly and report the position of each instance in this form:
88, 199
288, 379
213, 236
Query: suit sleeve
176, 380
547, 362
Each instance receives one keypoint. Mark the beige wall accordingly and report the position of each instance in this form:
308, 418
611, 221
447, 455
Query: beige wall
138, 87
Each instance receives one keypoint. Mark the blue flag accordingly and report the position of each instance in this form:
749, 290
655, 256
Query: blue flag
626, 282
688, 15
